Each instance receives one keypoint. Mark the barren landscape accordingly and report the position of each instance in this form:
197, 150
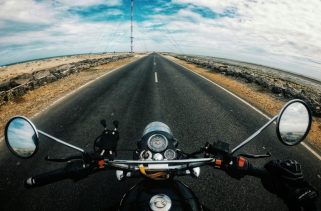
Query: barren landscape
261, 97
39, 99
11, 71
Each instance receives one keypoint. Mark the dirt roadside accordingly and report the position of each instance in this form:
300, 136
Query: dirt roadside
265, 101
36, 65
41, 98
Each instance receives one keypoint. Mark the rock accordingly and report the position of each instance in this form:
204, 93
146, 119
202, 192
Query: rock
281, 86
222, 68
19, 85
276, 89
21, 79
41, 74
3, 97
6, 85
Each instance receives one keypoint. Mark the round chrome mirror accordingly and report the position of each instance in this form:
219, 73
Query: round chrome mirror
294, 122
21, 137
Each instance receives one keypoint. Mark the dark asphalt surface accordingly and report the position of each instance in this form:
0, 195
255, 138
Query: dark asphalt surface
195, 110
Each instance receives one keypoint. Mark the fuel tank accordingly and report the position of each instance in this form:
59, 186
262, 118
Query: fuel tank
160, 195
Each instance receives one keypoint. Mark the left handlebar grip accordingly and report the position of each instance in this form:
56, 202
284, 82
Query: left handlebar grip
46, 178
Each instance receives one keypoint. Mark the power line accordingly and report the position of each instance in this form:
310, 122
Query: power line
131, 24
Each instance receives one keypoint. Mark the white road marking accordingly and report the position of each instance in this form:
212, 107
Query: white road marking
156, 79
74, 91
253, 107
311, 150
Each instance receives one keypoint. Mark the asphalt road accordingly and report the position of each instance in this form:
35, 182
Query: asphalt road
195, 110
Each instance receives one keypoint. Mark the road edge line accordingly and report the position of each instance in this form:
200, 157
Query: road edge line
248, 104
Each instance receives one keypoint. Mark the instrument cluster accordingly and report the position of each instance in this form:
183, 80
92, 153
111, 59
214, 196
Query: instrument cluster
158, 149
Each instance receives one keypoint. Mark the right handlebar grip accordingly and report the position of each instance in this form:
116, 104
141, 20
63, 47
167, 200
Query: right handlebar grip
46, 178
258, 172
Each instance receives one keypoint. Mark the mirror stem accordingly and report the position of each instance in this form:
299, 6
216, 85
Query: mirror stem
254, 135
60, 141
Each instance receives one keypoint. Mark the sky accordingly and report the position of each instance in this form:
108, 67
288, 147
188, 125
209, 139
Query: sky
285, 34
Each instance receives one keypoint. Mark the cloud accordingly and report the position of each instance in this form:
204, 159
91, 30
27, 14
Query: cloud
86, 3
279, 33
25, 11
99, 12
283, 34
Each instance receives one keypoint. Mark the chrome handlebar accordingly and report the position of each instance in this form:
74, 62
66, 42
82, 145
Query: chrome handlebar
162, 165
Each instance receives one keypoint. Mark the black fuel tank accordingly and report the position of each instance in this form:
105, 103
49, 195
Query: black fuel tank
181, 197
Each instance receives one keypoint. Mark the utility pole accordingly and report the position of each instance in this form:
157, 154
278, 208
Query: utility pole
131, 25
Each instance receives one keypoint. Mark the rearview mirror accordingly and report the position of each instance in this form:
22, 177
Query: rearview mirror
21, 137
294, 122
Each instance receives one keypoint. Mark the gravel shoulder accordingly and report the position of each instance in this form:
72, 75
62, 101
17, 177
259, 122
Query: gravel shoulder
266, 101
41, 98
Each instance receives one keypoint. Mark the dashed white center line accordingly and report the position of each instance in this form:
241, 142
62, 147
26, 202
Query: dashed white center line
156, 79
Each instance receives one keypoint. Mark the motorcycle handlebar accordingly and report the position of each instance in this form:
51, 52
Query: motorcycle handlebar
257, 172
74, 170
46, 178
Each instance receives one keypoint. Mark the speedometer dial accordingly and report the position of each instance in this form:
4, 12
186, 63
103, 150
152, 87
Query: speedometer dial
170, 154
157, 143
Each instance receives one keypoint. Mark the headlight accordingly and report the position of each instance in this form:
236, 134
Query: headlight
157, 143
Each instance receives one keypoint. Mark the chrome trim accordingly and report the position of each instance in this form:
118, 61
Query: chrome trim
280, 115
254, 135
132, 167
150, 155
169, 151
183, 161
196, 171
158, 150
160, 202
119, 175
157, 126
35, 140
61, 142
158, 156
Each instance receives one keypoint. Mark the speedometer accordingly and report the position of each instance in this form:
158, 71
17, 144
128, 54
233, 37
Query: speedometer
170, 154
157, 143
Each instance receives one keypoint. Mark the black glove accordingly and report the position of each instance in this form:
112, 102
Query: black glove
286, 180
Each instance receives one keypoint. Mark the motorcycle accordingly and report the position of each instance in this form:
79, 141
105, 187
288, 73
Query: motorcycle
157, 158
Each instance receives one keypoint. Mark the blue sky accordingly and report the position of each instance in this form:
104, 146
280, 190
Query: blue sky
278, 33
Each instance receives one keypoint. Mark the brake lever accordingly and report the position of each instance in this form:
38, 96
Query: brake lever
47, 158
248, 155
193, 154
186, 155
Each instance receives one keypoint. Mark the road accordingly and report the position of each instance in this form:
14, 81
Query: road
149, 89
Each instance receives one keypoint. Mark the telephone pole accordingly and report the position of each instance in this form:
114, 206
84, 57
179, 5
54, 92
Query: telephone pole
131, 25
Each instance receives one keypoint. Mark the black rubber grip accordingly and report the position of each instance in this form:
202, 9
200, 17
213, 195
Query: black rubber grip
258, 172
46, 178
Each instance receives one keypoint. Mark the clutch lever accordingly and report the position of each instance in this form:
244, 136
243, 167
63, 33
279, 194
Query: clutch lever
248, 155
47, 158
